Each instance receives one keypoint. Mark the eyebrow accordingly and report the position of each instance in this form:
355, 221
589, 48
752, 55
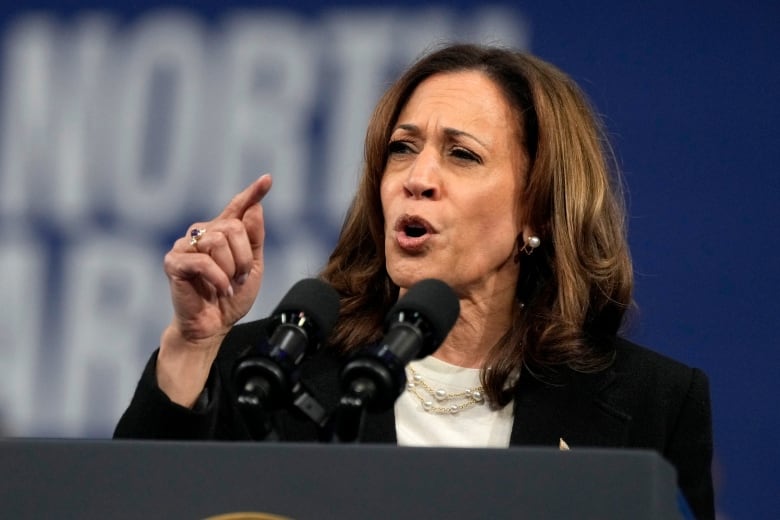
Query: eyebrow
450, 132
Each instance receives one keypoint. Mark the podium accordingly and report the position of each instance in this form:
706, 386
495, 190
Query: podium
195, 480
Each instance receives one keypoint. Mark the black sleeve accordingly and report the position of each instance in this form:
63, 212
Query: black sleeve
152, 415
215, 416
690, 447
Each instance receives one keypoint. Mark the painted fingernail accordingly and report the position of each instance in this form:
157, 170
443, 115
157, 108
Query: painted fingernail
241, 280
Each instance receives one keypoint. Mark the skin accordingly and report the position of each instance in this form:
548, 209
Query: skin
212, 286
456, 164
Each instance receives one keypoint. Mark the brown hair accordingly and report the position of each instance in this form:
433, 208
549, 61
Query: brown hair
575, 288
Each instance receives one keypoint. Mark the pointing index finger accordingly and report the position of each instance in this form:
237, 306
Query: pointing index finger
251, 195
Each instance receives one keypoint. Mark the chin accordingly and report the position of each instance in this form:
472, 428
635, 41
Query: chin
407, 276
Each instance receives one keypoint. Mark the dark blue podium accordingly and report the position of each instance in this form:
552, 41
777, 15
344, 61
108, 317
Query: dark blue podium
192, 480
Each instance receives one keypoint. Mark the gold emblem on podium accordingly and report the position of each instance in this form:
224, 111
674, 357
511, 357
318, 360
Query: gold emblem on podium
247, 515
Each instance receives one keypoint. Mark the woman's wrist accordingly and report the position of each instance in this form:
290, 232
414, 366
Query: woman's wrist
183, 366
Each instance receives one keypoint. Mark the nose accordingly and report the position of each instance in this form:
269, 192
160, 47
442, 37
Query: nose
423, 179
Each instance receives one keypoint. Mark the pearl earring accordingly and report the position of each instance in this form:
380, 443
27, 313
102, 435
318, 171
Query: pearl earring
532, 243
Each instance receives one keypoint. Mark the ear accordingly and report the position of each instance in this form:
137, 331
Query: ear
528, 232
527, 242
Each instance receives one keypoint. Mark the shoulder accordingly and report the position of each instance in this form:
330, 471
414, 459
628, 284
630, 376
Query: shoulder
635, 358
648, 366
668, 404
652, 380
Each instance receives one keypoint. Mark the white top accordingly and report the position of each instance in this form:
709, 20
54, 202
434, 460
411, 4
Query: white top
476, 427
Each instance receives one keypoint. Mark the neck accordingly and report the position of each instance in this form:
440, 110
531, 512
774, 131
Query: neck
481, 324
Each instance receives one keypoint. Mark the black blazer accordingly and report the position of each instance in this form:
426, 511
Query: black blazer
644, 400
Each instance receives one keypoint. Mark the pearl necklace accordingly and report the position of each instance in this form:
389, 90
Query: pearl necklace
467, 398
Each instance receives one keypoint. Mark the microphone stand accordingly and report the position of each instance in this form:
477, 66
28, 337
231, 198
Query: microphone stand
350, 415
371, 382
269, 382
266, 376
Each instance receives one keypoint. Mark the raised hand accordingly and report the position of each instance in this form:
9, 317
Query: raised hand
215, 272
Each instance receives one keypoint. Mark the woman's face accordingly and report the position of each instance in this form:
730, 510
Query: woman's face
451, 187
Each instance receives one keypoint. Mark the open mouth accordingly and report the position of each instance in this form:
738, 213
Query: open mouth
415, 230
413, 227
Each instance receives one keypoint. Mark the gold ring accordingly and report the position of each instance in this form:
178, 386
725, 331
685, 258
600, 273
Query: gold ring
195, 235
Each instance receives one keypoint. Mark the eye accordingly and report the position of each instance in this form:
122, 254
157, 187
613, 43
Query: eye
466, 155
399, 147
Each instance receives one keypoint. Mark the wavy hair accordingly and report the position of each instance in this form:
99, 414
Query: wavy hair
574, 290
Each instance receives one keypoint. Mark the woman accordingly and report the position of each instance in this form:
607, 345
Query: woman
487, 169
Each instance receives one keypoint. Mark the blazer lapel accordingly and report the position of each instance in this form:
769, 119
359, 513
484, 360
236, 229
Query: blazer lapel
573, 409
576, 411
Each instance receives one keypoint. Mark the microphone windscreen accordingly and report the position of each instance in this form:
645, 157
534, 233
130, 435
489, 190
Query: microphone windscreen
436, 302
315, 298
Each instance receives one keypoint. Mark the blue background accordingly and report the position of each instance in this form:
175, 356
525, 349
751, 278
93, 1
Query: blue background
689, 93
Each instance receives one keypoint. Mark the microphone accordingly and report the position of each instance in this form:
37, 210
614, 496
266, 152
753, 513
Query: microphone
414, 328
266, 378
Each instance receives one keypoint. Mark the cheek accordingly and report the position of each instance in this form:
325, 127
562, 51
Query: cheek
390, 193
491, 228
384, 200
494, 216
